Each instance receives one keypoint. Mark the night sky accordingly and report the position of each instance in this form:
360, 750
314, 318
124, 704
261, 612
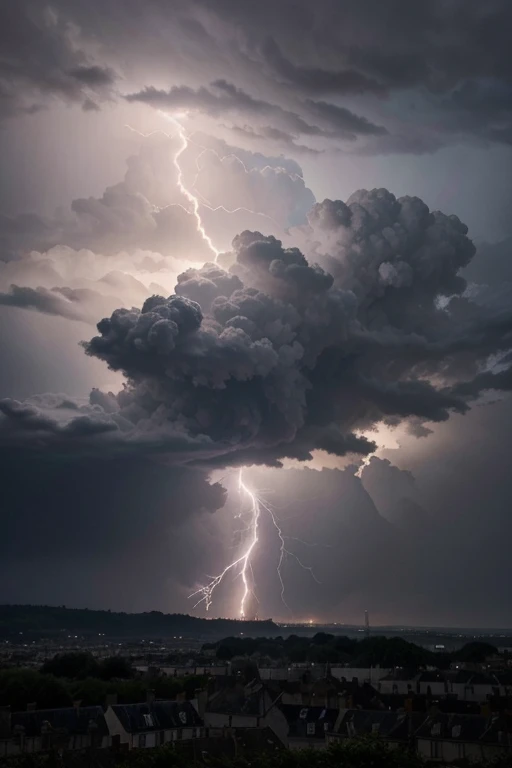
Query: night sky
268, 237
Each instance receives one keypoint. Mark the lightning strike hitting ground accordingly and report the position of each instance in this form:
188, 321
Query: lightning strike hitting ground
243, 564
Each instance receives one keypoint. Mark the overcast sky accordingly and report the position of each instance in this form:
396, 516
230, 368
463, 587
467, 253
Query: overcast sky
271, 236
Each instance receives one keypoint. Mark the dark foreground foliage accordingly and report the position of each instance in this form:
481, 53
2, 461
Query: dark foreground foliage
353, 753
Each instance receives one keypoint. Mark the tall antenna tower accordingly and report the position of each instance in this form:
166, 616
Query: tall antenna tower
366, 624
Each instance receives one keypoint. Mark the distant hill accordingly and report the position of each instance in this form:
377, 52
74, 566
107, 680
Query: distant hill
45, 620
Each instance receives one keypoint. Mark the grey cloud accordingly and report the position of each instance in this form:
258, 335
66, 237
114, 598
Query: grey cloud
94, 75
268, 133
42, 300
280, 358
146, 211
317, 80
90, 106
251, 160
41, 60
40, 418
453, 57
343, 121
223, 97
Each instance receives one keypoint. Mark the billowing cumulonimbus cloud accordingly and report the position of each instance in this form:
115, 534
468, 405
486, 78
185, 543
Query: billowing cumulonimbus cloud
279, 357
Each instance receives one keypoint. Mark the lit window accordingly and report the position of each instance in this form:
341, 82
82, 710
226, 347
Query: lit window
148, 721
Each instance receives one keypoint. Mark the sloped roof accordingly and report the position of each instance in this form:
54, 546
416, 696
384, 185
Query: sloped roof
73, 720
308, 722
399, 675
156, 716
453, 726
238, 700
469, 677
431, 676
499, 730
385, 724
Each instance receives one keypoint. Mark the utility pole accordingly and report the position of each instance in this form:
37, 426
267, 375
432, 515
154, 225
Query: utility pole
367, 624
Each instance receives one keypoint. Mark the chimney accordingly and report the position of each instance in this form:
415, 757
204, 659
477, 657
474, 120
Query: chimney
32, 706
201, 697
150, 696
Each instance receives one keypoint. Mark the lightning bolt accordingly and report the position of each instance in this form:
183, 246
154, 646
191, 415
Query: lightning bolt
185, 141
243, 564
192, 199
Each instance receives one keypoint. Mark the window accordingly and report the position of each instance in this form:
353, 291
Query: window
148, 721
162, 737
142, 740
434, 749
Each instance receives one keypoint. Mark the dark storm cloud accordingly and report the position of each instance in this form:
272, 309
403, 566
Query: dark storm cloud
51, 416
279, 358
346, 123
444, 67
268, 133
40, 60
77, 526
94, 76
60, 302
222, 98
317, 80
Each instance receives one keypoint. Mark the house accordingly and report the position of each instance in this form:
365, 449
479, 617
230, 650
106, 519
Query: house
398, 681
235, 705
396, 728
474, 686
433, 683
498, 736
308, 725
370, 675
40, 730
153, 723
450, 737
